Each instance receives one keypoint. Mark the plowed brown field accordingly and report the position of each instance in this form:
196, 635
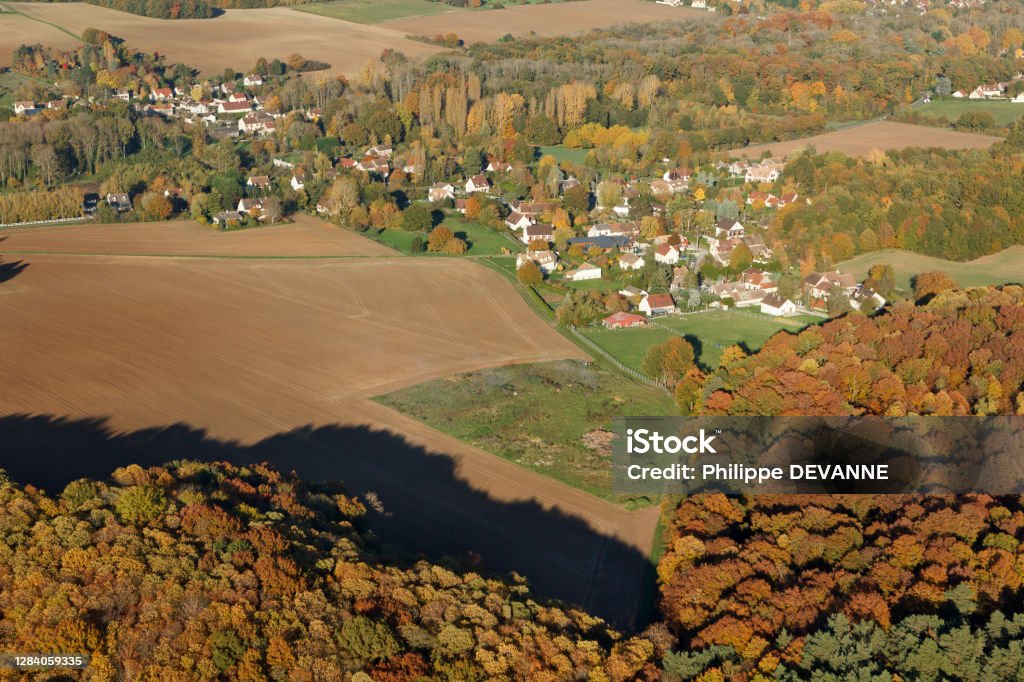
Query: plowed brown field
882, 135
562, 18
234, 39
254, 350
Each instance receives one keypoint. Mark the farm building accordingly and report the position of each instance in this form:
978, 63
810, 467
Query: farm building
776, 306
583, 273
657, 304
624, 321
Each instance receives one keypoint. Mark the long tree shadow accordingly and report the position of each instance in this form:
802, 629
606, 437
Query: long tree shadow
418, 503
9, 271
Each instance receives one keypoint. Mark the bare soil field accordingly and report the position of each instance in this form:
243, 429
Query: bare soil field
276, 360
860, 140
237, 38
544, 20
16, 30
305, 237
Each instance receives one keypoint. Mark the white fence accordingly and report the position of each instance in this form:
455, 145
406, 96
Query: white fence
55, 221
629, 371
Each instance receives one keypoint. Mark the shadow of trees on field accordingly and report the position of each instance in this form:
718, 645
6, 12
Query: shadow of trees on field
419, 504
9, 271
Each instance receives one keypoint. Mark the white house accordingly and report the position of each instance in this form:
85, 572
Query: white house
583, 273
776, 306
298, 181
986, 91
517, 221
498, 167
657, 304
440, 191
666, 253
24, 107
546, 261
540, 231
252, 80
478, 183
629, 291
630, 261
959, 94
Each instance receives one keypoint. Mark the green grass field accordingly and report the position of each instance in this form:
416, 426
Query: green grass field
628, 346
375, 11
535, 415
1003, 112
1005, 267
481, 240
577, 156
710, 333
10, 83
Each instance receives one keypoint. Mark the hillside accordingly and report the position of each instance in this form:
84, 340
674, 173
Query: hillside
959, 354
201, 571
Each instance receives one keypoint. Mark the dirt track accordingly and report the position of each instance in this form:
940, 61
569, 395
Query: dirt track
250, 350
235, 39
561, 18
861, 139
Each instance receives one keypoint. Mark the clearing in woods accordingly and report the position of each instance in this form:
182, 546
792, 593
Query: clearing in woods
1005, 267
1003, 111
235, 39
554, 19
255, 350
859, 140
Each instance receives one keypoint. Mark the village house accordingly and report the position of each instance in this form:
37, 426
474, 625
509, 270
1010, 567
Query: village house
630, 291
630, 230
681, 174
776, 306
657, 304
546, 261
380, 150
604, 243
121, 202
498, 167
460, 205
161, 94
237, 97
252, 207
631, 261
534, 209
376, 165
728, 228
767, 171
568, 183
24, 108
667, 254
298, 180
817, 286
164, 109
517, 221
622, 320
987, 91
252, 80
680, 279
225, 217
257, 123
233, 107
478, 183
583, 273
540, 231
441, 191
260, 182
